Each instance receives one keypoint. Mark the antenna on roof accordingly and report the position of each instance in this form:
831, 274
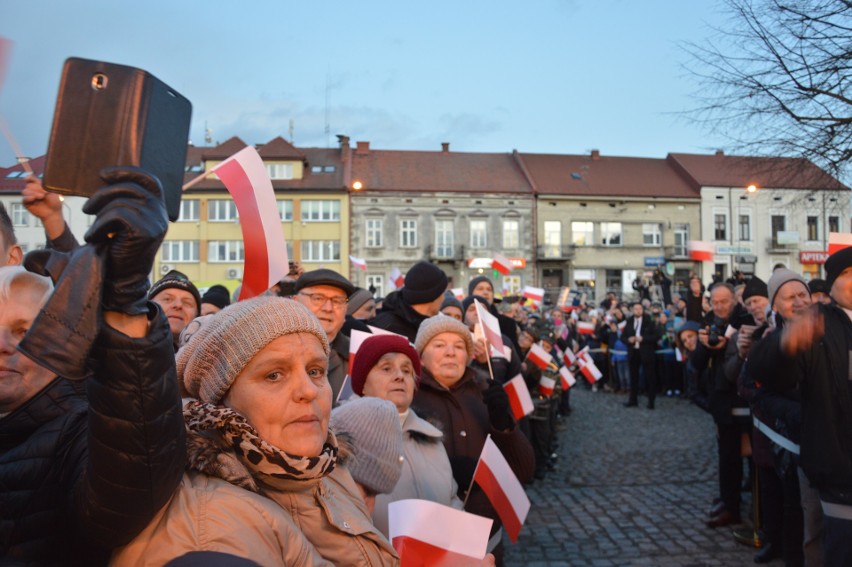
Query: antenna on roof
208, 134
292, 130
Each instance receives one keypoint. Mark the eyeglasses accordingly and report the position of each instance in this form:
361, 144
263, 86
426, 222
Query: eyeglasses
318, 300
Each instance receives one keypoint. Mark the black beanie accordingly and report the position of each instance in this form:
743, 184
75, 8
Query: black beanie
469, 299
476, 281
177, 280
755, 287
836, 263
424, 283
818, 285
217, 295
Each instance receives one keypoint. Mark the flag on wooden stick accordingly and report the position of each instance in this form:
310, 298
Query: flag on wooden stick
494, 475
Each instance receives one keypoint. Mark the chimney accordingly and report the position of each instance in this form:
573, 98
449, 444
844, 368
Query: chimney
445, 147
720, 153
596, 154
343, 141
362, 148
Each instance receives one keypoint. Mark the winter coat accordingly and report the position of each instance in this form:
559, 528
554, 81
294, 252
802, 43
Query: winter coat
82, 473
426, 471
320, 521
650, 335
822, 373
338, 364
398, 317
464, 415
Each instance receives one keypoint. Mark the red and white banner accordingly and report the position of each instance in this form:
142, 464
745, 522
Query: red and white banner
585, 328
427, 534
546, 386
838, 241
359, 263
590, 370
700, 251
502, 487
490, 326
396, 279
458, 293
248, 183
519, 397
534, 293
501, 264
568, 379
539, 356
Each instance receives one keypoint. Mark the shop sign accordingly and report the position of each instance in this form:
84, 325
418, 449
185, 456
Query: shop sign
813, 257
654, 261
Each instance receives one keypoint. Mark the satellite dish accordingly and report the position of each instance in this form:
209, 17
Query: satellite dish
670, 268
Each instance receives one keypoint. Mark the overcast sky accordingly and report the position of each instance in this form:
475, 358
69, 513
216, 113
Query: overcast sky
550, 76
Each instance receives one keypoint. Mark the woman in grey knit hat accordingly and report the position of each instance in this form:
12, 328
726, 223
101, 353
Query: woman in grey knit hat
262, 479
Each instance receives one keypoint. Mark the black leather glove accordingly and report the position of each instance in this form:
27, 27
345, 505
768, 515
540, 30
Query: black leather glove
499, 412
130, 226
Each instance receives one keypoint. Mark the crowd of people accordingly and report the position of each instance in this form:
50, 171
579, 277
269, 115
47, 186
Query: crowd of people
152, 424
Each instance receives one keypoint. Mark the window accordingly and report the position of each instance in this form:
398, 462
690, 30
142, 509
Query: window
320, 211
374, 233
583, 233
552, 239
376, 285
650, 236
614, 281
813, 228
444, 238
511, 234
225, 251
221, 210
833, 224
611, 233
188, 210
778, 223
511, 285
180, 251
20, 215
745, 227
320, 250
280, 170
407, 233
681, 237
720, 225
478, 234
285, 210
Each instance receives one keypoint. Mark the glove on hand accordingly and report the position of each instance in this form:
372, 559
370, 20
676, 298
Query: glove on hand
499, 413
130, 226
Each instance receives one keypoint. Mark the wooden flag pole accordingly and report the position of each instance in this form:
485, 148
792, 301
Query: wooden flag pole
473, 478
197, 180
14, 144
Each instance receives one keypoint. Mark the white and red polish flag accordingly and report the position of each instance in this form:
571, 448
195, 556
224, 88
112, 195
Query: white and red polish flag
838, 241
622, 325
585, 328
546, 386
248, 183
458, 293
5, 56
700, 251
427, 534
378, 331
568, 379
356, 337
501, 264
503, 489
569, 358
396, 279
490, 326
538, 356
359, 263
534, 293
590, 370
519, 397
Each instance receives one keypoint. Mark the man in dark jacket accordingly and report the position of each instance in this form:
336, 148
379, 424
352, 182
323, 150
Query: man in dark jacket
421, 297
85, 465
483, 287
813, 352
641, 335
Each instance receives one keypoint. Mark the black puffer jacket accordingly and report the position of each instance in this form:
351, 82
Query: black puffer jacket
82, 473
398, 317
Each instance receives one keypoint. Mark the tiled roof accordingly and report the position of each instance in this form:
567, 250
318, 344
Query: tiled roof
720, 170
280, 149
444, 171
595, 175
224, 150
16, 183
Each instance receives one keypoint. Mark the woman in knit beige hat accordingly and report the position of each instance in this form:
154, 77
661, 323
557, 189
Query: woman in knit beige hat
261, 458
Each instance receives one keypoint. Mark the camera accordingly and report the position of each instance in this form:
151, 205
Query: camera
713, 333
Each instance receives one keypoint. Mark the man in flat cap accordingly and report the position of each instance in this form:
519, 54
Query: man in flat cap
326, 293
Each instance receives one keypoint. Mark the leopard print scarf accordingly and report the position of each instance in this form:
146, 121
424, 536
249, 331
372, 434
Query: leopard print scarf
242, 441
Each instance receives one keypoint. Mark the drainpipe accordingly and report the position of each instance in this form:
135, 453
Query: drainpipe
534, 193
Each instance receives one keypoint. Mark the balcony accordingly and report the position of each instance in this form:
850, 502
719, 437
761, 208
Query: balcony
676, 252
445, 253
775, 247
551, 253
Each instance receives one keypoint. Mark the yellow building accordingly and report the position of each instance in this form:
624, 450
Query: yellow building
206, 241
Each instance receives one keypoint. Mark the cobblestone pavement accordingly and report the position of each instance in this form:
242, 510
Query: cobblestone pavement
632, 487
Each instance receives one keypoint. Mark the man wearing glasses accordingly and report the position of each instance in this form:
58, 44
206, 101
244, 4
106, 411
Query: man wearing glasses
326, 293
